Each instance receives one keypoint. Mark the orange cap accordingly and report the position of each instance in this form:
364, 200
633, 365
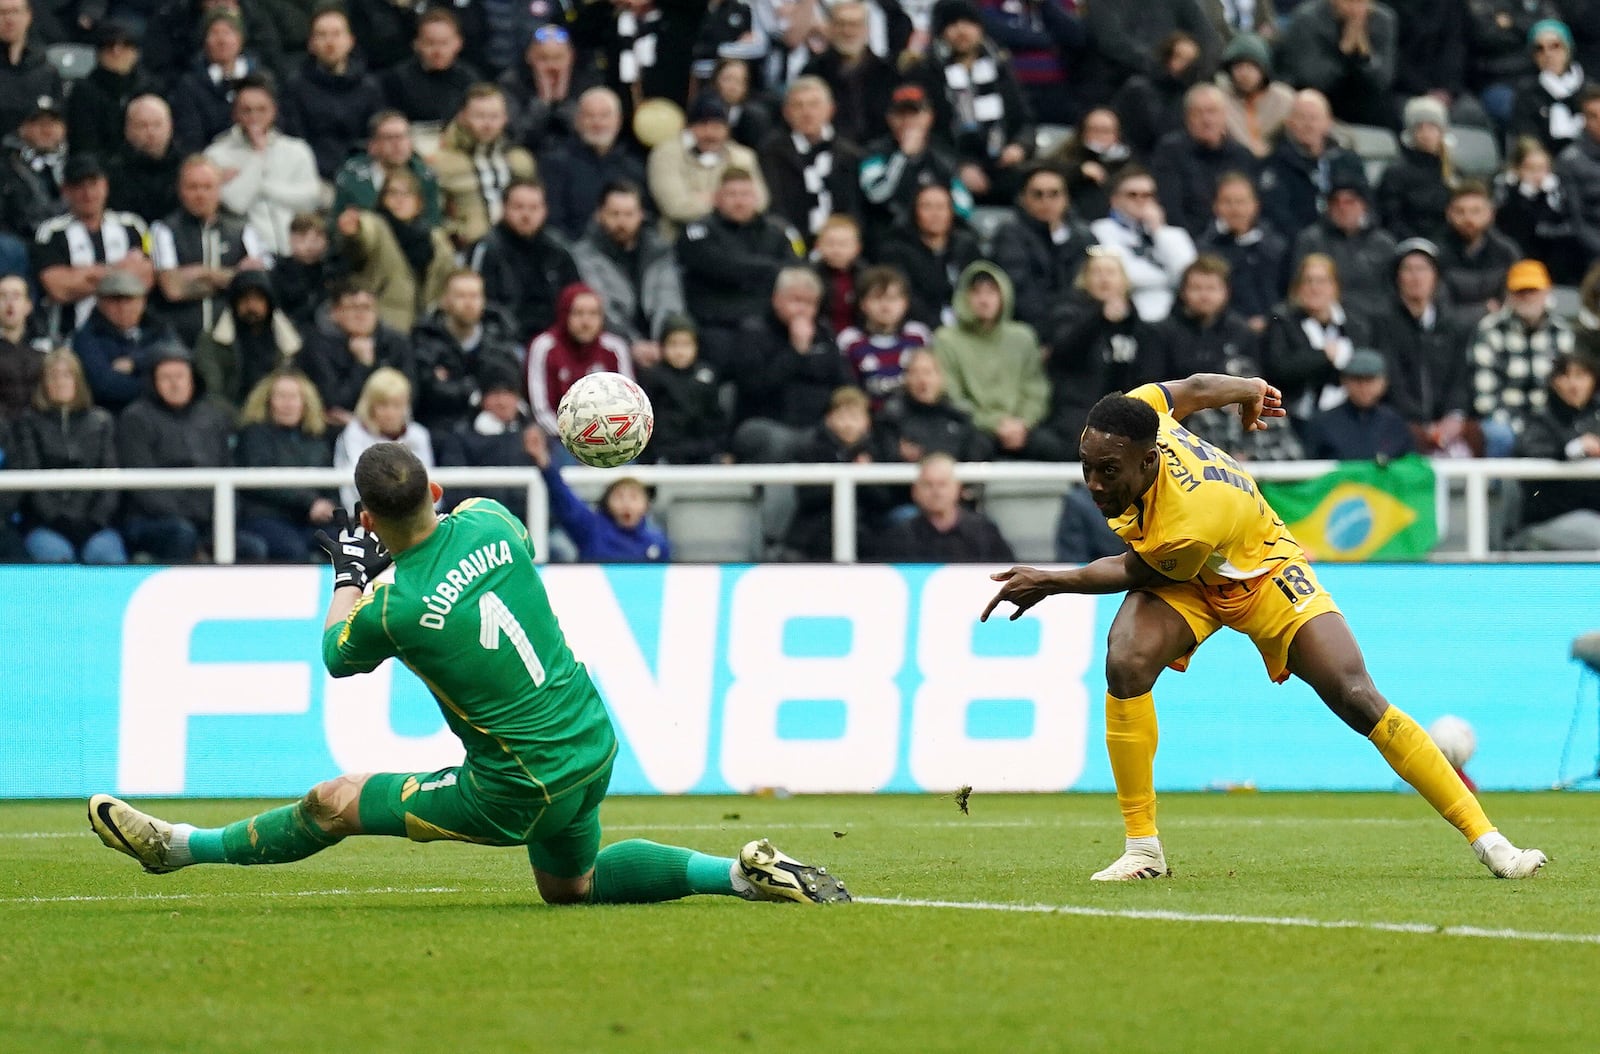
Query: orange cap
1527, 274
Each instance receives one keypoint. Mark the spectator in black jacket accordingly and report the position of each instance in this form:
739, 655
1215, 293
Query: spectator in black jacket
1091, 160
750, 119
1256, 254
575, 171
300, 280
282, 427
1415, 189
98, 103
1310, 337
980, 113
648, 45
341, 357
931, 249
731, 258
175, 426
787, 370
177, 32
1433, 40
524, 266
1426, 341
1531, 209
542, 88
457, 349
1124, 37
896, 167
1349, 233
143, 170
1497, 42
1297, 176
1151, 105
919, 419
842, 436
1579, 168
1362, 427
62, 430
22, 347
861, 81
25, 73
1547, 99
1041, 247
1188, 163
432, 84
943, 532
202, 99
34, 169
1346, 50
691, 425
811, 171
197, 249
331, 101
1564, 514
1203, 335
1472, 254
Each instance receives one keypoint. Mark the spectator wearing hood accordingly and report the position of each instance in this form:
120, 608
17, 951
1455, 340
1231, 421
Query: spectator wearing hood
174, 425
431, 85
1564, 514
631, 267
143, 169
1416, 186
616, 531
392, 251
1189, 162
575, 344
685, 171
282, 427
477, 166
98, 102
524, 266
339, 358
250, 339
63, 430
1426, 341
459, 348
198, 248
576, 170
1042, 247
330, 103
1346, 50
981, 115
1151, 105
1350, 235
118, 342
993, 366
203, 98
1256, 104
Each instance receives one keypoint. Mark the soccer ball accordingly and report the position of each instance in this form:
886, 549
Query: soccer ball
605, 419
1456, 740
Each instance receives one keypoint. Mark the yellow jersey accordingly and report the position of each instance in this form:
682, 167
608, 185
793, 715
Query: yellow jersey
1204, 517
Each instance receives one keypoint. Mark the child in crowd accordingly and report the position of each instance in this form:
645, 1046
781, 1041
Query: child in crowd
837, 258
618, 530
691, 425
881, 347
300, 282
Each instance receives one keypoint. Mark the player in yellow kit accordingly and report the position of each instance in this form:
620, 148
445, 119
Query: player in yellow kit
1205, 551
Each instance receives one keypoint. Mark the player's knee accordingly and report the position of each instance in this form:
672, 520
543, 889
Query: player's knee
563, 891
1361, 703
1132, 666
335, 805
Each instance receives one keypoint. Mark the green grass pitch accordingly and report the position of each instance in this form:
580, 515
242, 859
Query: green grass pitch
381, 945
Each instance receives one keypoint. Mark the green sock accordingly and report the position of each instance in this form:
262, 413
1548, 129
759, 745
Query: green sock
276, 837
641, 872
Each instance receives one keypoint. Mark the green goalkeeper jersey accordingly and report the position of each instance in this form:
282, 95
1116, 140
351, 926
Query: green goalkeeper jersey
466, 611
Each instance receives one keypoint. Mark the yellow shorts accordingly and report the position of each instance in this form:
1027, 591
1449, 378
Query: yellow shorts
1269, 610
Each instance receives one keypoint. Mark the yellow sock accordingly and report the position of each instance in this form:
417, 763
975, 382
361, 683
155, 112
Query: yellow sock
1417, 760
1131, 737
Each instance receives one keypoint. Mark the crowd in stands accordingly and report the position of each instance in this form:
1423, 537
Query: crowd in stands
274, 232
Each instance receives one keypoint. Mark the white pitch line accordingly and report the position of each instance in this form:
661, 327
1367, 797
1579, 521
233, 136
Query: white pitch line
132, 898
1240, 920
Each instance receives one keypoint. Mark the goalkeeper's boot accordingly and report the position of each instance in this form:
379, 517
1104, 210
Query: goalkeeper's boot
1139, 861
131, 832
1505, 859
775, 876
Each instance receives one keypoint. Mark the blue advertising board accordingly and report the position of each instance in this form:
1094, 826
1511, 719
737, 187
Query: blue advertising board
208, 682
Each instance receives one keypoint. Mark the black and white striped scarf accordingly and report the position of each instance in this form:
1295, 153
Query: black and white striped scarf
494, 174
636, 44
816, 165
976, 103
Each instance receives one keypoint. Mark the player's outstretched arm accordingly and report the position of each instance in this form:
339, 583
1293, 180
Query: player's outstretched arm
1026, 586
1256, 399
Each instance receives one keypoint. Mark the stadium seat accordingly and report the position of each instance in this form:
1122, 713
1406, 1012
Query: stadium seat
711, 524
985, 220
73, 61
1375, 171
1050, 136
1026, 514
1565, 301
1371, 142
1475, 153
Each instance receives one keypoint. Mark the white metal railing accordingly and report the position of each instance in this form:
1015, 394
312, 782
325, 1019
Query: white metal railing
225, 483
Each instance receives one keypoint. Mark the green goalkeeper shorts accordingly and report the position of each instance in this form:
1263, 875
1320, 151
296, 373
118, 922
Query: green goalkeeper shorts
462, 805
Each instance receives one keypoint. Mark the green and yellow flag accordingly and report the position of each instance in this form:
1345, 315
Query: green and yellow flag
1362, 511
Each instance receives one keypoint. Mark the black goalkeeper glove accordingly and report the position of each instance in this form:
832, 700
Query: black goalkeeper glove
356, 553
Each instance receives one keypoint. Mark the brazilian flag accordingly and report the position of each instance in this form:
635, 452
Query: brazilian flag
1362, 510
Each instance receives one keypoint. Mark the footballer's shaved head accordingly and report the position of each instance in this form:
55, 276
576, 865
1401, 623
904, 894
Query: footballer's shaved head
393, 484
1118, 415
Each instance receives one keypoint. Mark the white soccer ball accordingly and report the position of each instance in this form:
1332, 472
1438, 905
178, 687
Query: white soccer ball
605, 419
1456, 739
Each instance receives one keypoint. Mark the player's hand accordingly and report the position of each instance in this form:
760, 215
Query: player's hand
1024, 587
358, 556
1266, 403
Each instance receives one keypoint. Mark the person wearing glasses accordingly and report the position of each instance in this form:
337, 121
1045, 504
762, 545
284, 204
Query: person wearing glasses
1547, 103
1154, 253
1041, 247
390, 149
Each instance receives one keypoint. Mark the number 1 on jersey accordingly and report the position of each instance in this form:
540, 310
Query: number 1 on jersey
493, 618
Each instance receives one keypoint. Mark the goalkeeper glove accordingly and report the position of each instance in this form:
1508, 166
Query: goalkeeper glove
356, 553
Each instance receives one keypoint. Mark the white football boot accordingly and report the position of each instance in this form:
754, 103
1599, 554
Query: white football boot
131, 832
1506, 860
1140, 861
772, 875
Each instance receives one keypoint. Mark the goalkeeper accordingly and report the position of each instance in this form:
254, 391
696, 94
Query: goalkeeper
461, 604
